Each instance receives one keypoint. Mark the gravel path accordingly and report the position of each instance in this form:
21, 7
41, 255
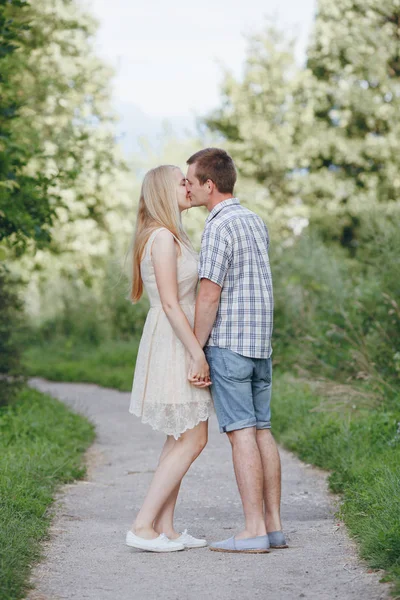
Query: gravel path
87, 558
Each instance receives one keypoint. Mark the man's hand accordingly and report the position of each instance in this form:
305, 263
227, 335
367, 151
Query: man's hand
206, 309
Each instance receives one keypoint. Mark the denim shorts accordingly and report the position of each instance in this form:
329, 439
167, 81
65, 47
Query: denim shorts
241, 389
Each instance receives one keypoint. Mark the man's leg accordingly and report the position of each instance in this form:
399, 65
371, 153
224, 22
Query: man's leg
249, 476
262, 387
271, 464
231, 375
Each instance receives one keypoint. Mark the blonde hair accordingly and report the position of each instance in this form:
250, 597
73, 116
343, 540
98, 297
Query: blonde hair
158, 207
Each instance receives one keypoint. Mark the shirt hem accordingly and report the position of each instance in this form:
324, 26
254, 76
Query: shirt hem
240, 351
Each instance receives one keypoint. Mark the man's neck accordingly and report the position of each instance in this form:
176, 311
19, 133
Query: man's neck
217, 200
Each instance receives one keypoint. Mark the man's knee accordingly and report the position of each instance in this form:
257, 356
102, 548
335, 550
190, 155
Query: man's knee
241, 436
267, 433
265, 436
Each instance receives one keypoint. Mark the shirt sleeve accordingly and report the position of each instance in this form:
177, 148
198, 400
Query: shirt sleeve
215, 256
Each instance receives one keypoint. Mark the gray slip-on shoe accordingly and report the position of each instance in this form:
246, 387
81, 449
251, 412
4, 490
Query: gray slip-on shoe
256, 545
277, 540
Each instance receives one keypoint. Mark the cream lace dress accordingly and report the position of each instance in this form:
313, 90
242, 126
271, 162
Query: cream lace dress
161, 394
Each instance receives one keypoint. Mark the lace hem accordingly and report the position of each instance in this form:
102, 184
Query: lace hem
174, 419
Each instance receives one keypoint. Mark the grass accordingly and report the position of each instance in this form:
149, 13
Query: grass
41, 446
109, 365
360, 447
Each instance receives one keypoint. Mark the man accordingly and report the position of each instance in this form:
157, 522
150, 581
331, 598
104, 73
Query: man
234, 323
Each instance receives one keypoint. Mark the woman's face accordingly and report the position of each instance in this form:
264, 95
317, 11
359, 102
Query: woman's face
183, 198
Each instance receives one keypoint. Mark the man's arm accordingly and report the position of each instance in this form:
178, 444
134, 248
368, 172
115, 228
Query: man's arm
206, 309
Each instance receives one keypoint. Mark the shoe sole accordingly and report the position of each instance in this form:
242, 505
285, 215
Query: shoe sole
192, 547
138, 547
240, 551
279, 547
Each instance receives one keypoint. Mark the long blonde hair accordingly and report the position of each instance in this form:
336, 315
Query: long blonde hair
158, 207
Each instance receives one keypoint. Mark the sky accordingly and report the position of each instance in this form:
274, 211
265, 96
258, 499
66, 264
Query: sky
169, 55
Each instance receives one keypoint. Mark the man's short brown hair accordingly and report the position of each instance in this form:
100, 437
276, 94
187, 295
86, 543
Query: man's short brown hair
217, 165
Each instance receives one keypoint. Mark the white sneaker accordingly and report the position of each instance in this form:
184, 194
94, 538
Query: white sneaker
160, 544
189, 541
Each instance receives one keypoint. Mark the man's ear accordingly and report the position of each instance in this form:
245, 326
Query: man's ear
210, 186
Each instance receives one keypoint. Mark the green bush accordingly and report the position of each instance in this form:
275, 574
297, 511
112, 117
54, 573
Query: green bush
91, 314
339, 316
11, 320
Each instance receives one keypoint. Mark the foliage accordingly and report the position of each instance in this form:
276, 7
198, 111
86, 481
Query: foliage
322, 140
339, 317
65, 116
25, 209
259, 116
64, 188
353, 153
354, 57
11, 322
89, 314
41, 446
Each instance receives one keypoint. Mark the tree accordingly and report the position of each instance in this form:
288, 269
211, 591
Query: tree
258, 116
25, 210
354, 57
66, 116
323, 141
263, 119
64, 190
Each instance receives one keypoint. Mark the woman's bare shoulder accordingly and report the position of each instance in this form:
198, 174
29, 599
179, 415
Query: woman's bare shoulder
163, 242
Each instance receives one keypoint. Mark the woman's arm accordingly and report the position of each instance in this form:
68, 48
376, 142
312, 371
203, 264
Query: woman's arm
164, 258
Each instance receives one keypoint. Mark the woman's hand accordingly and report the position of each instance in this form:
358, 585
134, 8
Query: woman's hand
199, 371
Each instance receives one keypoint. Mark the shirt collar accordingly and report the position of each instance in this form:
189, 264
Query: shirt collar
220, 206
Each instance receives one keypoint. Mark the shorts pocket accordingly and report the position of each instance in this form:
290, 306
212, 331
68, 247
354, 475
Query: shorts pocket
237, 367
264, 370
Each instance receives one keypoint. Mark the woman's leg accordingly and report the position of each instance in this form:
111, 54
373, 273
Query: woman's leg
169, 444
164, 522
168, 477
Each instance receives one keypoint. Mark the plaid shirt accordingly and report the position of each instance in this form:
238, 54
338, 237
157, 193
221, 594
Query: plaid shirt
234, 254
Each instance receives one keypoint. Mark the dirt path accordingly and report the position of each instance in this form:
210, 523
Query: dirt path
87, 559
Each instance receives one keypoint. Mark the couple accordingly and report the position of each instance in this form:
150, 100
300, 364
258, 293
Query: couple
220, 339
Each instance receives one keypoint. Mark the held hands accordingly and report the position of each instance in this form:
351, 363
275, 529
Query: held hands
199, 372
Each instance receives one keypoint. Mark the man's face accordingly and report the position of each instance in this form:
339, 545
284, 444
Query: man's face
198, 193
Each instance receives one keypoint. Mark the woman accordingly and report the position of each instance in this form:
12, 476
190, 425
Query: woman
165, 263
